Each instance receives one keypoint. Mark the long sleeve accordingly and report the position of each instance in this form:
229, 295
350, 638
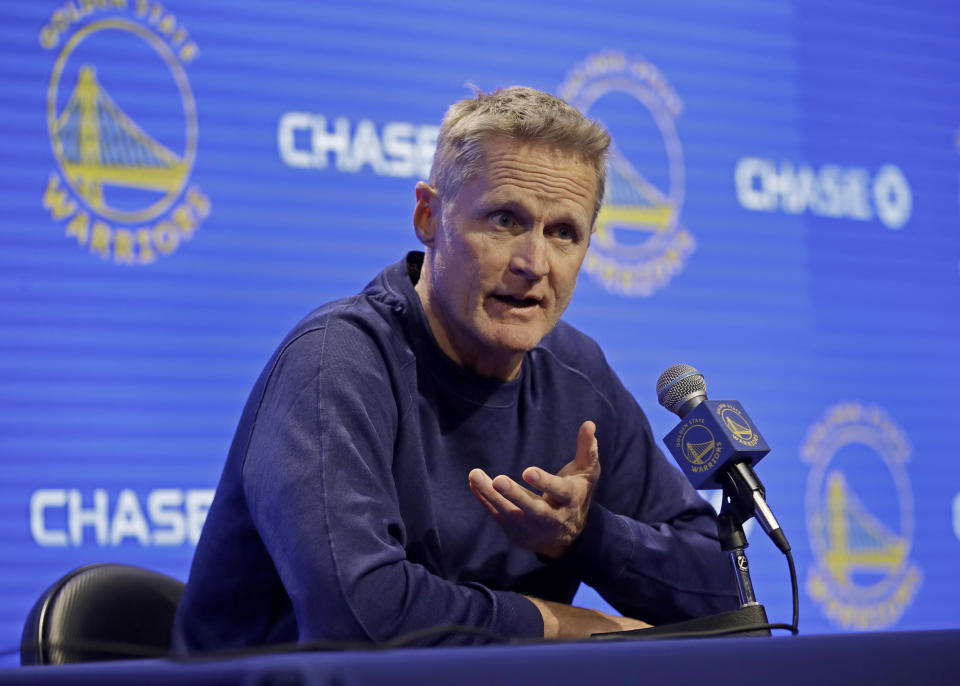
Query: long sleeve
319, 479
344, 511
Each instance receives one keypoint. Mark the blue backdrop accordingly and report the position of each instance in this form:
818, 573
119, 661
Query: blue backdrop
182, 182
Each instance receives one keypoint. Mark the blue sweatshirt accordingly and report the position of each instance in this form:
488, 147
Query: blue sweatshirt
344, 510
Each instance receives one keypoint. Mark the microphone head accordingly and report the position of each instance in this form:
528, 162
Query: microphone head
678, 385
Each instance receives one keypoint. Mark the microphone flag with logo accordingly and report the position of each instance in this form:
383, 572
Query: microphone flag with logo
716, 445
713, 433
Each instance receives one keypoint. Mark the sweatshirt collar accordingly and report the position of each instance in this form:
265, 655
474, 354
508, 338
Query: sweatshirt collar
400, 279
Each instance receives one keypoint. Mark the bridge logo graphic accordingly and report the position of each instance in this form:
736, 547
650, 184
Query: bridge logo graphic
97, 144
860, 517
123, 130
738, 425
639, 244
699, 446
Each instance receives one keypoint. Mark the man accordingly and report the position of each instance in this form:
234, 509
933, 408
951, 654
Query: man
357, 501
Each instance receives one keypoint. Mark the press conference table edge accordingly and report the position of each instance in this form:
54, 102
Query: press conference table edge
928, 657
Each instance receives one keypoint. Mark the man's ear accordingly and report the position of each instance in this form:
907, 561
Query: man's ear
426, 215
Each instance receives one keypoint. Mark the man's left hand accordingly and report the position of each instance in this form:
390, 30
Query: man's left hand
548, 523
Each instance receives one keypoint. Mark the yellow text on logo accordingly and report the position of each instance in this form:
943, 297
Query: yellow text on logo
125, 245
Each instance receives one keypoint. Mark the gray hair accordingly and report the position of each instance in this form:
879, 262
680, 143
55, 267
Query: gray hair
523, 114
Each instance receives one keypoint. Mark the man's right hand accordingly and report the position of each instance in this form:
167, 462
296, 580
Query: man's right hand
547, 523
569, 621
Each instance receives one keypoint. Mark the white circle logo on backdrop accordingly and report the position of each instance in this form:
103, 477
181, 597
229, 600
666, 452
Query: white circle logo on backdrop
124, 146
639, 244
860, 517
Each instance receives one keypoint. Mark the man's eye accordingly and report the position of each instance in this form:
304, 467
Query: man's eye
503, 219
565, 232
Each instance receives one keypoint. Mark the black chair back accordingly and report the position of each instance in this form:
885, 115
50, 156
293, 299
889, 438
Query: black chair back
101, 612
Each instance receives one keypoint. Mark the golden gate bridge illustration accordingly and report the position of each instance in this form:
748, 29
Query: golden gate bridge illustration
700, 450
740, 431
631, 203
856, 540
101, 145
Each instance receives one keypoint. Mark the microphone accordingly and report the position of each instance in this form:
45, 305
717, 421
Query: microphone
716, 445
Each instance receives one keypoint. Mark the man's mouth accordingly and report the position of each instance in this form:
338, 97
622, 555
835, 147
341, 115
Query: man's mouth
514, 301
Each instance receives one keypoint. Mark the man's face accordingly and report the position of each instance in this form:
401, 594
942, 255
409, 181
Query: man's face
505, 254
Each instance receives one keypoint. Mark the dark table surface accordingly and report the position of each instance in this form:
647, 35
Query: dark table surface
920, 657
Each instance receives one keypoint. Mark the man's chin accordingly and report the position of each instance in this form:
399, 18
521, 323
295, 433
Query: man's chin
518, 339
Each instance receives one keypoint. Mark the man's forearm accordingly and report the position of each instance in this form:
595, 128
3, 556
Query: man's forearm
569, 621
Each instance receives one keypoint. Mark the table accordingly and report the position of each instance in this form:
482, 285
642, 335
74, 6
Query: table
921, 657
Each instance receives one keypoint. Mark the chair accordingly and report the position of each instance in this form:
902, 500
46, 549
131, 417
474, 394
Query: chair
101, 612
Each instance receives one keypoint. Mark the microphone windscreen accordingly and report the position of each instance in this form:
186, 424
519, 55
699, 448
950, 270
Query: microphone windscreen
679, 383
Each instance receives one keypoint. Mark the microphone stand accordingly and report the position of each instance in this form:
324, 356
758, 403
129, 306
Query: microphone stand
738, 507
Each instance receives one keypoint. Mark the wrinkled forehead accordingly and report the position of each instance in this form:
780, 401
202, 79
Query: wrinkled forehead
494, 145
504, 165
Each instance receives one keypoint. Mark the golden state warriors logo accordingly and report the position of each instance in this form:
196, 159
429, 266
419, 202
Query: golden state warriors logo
738, 425
639, 244
699, 446
123, 128
860, 517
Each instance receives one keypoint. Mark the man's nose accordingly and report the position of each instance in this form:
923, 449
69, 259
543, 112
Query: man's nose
530, 256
